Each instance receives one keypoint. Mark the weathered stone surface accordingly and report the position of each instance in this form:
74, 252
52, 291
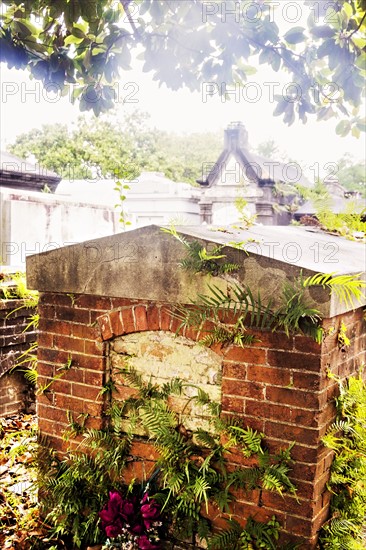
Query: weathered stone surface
144, 263
159, 357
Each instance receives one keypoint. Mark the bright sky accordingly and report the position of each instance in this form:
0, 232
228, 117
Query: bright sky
25, 105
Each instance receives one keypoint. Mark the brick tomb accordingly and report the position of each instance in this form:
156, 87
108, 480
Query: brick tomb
16, 393
107, 299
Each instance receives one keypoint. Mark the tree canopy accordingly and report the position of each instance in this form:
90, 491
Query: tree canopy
82, 47
107, 148
121, 149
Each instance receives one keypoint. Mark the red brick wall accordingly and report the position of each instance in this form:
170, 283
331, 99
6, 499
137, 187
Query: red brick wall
278, 386
14, 389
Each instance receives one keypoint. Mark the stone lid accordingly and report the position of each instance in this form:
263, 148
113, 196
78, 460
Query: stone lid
144, 263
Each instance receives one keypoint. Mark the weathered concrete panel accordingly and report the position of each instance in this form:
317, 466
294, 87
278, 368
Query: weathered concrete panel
161, 356
32, 222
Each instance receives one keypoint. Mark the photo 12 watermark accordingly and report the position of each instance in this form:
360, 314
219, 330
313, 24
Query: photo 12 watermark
92, 253
291, 12
293, 252
51, 92
235, 172
289, 172
253, 92
128, 251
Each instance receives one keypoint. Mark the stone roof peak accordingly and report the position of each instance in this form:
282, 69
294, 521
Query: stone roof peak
236, 136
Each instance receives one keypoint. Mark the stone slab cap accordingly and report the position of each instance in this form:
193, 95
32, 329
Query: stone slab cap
144, 264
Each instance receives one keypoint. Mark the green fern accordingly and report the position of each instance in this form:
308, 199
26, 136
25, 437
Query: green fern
225, 539
270, 474
174, 387
206, 439
248, 440
296, 315
255, 535
344, 223
347, 483
191, 470
199, 260
238, 301
348, 288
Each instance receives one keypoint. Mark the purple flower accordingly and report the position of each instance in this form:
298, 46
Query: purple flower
137, 529
110, 513
131, 515
145, 544
150, 513
127, 509
115, 529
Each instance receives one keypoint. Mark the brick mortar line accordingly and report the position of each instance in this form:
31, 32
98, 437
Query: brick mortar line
248, 363
77, 397
298, 408
293, 515
280, 423
267, 491
268, 385
271, 385
71, 352
71, 336
314, 447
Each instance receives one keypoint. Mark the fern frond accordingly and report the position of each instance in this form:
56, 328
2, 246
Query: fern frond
175, 386
206, 439
230, 538
348, 288
250, 440
174, 481
245, 478
295, 310
133, 378
157, 418
31, 375
241, 301
200, 489
265, 535
271, 482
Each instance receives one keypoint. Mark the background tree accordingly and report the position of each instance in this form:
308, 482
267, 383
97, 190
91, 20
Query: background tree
86, 44
268, 149
107, 148
352, 174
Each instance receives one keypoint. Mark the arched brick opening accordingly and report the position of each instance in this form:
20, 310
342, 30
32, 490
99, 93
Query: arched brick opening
148, 317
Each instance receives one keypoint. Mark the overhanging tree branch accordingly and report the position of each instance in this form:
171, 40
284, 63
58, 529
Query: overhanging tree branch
125, 4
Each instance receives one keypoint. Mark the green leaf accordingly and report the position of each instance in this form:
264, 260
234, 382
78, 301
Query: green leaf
326, 48
361, 61
295, 35
281, 107
347, 10
323, 31
248, 69
360, 42
71, 39
22, 29
343, 128
81, 27
276, 62
334, 18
